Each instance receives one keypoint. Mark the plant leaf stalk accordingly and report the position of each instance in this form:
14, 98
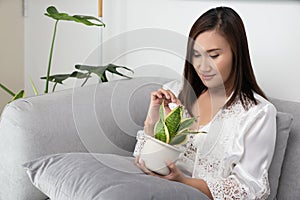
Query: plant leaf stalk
50, 58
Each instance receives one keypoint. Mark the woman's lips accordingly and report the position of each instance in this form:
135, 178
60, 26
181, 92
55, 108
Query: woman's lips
207, 77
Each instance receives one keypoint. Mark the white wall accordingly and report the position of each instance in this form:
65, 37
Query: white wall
75, 43
273, 30
11, 48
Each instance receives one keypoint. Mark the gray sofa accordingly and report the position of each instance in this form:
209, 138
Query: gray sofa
104, 118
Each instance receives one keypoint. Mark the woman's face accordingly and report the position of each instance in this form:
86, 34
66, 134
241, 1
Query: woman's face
212, 60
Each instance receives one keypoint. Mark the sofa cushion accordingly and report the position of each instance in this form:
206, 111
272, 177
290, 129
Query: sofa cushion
289, 183
284, 121
102, 176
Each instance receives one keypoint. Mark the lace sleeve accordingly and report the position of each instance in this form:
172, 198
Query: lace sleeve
226, 189
231, 188
140, 137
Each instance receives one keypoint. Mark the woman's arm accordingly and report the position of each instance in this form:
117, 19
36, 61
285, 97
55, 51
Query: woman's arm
176, 175
198, 184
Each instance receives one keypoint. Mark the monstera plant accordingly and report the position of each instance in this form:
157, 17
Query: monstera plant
173, 128
100, 71
82, 71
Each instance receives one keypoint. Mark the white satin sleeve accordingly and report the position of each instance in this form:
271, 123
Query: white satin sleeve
255, 147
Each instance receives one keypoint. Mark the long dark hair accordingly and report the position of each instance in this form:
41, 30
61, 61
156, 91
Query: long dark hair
229, 24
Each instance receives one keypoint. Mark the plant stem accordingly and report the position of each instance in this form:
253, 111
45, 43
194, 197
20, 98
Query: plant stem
88, 76
7, 90
50, 57
54, 87
104, 78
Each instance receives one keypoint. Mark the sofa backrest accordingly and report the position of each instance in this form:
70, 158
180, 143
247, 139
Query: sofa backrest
289, 183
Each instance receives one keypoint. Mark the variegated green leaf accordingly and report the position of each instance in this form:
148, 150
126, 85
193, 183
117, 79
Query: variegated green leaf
185, 124
161, 132
162, 111
178, 139
159, 127
161, 137
173, 120
181, 137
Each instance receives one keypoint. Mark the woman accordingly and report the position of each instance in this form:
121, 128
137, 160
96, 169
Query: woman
219, 87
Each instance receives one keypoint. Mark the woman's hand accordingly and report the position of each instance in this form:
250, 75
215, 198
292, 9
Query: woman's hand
174, 175
157, 98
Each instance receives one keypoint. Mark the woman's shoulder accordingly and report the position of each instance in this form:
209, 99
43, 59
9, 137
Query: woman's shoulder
263, 103
174, 86
262, 108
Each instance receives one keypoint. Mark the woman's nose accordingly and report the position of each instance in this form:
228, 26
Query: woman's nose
204, 65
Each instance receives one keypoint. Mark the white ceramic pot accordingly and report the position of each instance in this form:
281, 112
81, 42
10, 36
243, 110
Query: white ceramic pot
155, 153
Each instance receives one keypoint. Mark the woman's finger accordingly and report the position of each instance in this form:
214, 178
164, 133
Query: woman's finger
141, 164
164, 94
173, 98
172, 167
167, 94
146, 170
156, 95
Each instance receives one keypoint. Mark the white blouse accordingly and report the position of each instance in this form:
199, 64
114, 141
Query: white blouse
235, 154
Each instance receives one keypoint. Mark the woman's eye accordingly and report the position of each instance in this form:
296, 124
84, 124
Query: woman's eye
214, 56
196, 55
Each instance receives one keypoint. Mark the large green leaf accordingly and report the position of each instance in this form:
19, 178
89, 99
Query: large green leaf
173, 120
59, 78
87, 20
52, 10
100, 71
113, 69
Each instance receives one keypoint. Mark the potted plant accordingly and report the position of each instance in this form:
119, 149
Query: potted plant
169, 131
